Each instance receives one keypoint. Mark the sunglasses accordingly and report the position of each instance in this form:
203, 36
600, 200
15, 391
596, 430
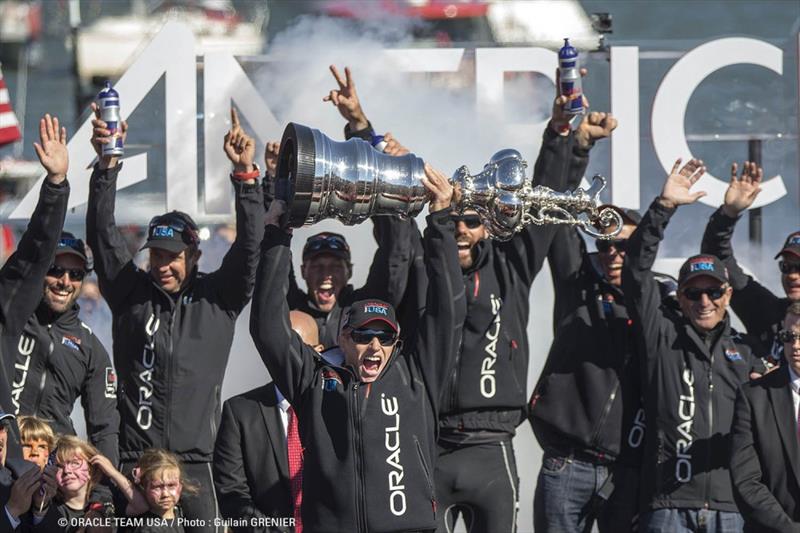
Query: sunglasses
75, 274
788, 336
326, 242
695, 293
788, 268
365, 336
604, 246
470, 221
174, 223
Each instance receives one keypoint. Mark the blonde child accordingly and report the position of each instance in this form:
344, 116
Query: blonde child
37, 438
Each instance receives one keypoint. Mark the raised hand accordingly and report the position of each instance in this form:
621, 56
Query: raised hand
440, 190
559, 120
593, 127
52, 149
742, 191
239, 147
346, 100
102, 135
19, 500
393, 147
271, 158
680, 180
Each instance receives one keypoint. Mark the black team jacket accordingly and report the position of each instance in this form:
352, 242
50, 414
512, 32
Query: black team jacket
369, 448
170, 351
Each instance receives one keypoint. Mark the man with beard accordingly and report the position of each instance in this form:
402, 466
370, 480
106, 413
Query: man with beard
22, 275
694, 362
59, 358
760, 310
173, 325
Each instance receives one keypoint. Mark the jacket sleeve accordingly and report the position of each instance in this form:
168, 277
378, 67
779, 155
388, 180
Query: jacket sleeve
759, 507
528, 249
441, 325
642, 293
566, 260
22, 276
235, 277
230, 480
99, 401
751, 301
290, 362
388, 274
113, 262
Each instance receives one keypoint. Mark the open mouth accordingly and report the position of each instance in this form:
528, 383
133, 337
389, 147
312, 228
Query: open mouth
371, 364
60, 294
463, 248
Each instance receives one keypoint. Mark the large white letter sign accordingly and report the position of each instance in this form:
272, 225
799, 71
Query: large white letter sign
672, 98
625, 140
171, 53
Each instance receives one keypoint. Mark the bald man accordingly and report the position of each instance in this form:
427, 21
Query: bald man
252, 481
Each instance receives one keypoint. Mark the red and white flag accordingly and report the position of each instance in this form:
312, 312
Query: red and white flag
9, 126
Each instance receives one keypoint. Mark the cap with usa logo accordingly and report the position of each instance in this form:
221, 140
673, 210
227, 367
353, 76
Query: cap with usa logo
791, 246
366, 311
702, 265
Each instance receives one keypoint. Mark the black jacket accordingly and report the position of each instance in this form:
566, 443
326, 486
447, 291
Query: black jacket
690, 384
765, 455
170, 351
386, 280
759, 309
58, 360
251, 466
487, 389
369, 449
21, 282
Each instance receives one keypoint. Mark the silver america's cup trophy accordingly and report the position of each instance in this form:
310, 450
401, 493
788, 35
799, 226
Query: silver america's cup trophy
351, 181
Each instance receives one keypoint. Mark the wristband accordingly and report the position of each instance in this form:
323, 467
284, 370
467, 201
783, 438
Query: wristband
244, 176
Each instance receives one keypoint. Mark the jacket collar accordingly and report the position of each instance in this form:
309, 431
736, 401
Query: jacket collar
68, 318
483, 251
723, 335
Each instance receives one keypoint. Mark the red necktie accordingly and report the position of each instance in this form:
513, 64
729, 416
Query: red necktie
295, 449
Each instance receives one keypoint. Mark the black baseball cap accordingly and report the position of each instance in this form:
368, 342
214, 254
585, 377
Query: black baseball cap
6, 418
174, 231
326, 243
702, 265
629, 216
791, 246
69, 244
365, 311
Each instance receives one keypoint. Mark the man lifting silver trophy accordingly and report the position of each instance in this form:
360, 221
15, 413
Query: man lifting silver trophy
351, 181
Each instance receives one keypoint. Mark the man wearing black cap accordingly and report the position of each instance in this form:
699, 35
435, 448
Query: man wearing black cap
586, 408
694, 362
58, 358
760, 310
173, 326
367, 408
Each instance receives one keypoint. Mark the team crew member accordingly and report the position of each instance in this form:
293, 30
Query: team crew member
59, 358
760, 310
173, 326
694, 363
251, 460
765, 454
368, 420
22, 275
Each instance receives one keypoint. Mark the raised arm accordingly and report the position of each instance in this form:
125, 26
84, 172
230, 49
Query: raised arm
290, 362
753, 497
99, 401
235, 277
642, 293
113, 262
22, 276
439, 336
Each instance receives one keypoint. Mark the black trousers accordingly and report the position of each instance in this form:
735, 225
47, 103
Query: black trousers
201, 506
479, 482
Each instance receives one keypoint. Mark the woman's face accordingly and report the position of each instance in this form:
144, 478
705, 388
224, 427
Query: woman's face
163, 491
36, 451
73, 474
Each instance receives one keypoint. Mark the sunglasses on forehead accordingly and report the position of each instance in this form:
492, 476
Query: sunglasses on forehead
75, 274
696, 293
365, 336
327, 242
788, 336
604, 246
471, 221
788, 268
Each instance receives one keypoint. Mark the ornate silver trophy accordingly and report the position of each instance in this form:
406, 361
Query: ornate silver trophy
351, 181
